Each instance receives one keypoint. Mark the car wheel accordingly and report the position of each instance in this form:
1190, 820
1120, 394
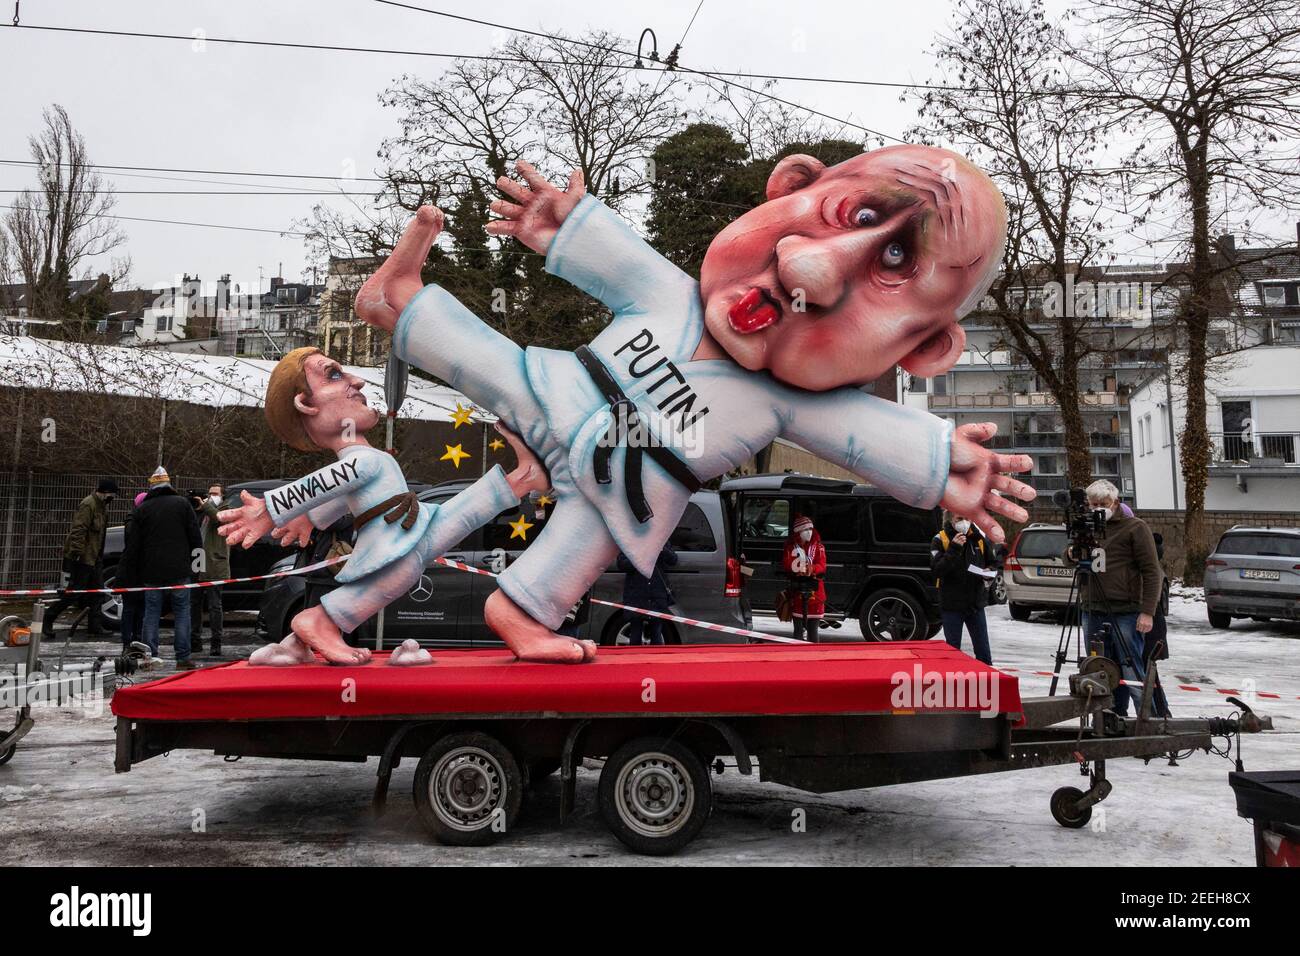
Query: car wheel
1219, 621
615, 634
468, 789
110, 608
1019, 612
933, 630
892, 615
655, 795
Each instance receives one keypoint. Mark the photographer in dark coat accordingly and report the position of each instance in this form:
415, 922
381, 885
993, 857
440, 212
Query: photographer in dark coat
962, 593
1121, 602
162, 550
651, 593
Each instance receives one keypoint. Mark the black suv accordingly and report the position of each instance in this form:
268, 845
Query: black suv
445, 608
878, 550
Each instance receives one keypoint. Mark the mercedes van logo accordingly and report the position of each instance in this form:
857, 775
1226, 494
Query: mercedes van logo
422, 590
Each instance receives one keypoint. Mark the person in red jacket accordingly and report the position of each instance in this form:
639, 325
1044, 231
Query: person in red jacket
805, 561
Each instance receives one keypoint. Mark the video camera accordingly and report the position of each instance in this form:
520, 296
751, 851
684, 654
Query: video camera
1084, 526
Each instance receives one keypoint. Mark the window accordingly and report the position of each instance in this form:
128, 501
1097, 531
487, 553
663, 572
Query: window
1041, 544
1237, 442
765, 518
836, 519
940, 384
1049, 465
163, 323
897, 523
1142, 445
693, 532
1260, 545
1105, 466
1164, 427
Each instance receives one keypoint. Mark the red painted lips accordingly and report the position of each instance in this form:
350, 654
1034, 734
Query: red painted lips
754, 311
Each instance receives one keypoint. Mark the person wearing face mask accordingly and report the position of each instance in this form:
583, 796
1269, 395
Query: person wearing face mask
83, 556
954, 551
1127, 593
805, 561
216, 567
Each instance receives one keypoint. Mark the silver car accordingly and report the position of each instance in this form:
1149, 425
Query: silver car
1035, 575
1254, 573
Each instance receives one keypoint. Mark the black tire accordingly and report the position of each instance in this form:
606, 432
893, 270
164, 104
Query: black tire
891, 614
8, 753
935, 628
1019, 612
1065, 811
614, 634
1219, 621
464, 784
655, 795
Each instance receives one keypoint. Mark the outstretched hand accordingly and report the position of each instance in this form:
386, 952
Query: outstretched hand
539, 208
294, 533
246, 524
977, 481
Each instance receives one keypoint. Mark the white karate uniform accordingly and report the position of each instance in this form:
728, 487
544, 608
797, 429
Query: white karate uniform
714, 414
387, 559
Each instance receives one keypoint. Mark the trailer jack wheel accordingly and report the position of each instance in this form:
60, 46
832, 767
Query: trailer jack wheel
468, 789
655, 795
1065, 808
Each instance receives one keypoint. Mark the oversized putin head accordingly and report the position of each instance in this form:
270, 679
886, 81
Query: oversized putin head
847, 270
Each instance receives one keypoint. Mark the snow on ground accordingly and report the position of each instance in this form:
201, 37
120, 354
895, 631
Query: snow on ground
61, 803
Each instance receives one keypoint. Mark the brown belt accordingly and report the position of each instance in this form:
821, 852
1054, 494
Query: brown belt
404, 507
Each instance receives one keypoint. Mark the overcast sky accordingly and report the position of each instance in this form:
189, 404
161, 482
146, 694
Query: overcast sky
159, 103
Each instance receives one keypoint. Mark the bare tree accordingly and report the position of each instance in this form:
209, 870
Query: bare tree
1210, 86
1001, 99
66, 221
767, 126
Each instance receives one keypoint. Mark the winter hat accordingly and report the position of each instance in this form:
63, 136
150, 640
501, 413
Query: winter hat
159, 477
107, 486
802, 524
140, 497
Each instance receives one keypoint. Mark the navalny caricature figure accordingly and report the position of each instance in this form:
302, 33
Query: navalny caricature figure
313, 404
840, 274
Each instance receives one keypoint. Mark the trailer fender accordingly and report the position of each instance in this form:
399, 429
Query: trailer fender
737, 746
390, 759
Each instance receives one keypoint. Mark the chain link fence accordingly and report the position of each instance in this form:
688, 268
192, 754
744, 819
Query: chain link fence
37, 513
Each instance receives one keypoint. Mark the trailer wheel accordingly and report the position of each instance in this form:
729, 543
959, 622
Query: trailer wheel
1065, 808
7, 754
468, 789
655, 795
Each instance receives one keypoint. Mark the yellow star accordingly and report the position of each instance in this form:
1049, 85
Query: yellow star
455, 454
461, 416
519, 527
496, 444
545, 500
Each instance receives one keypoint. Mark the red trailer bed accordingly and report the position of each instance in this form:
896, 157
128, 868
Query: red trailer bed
714, 680
821, 718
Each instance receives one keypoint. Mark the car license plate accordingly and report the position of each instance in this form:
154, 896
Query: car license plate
1256, 574
1051, 572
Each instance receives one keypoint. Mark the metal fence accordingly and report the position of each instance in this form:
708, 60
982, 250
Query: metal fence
37, 513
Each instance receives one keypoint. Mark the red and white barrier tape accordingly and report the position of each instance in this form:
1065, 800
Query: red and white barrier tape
677, 619
692, 622
174, 587
1225, 691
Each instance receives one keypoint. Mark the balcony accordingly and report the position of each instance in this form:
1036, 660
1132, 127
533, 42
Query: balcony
1254, 453
998, 401
1055, 441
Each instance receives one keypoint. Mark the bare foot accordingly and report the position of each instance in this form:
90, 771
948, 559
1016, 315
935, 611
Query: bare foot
588, 651
385, 294
314, 628
529, 640
288, 653
529, 474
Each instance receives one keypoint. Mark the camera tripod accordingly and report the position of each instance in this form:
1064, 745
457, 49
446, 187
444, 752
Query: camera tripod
1132, 664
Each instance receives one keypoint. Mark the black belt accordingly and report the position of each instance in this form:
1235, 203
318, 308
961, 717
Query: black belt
625, 419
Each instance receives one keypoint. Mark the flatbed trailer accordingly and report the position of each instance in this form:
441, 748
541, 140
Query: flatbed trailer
820, 718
